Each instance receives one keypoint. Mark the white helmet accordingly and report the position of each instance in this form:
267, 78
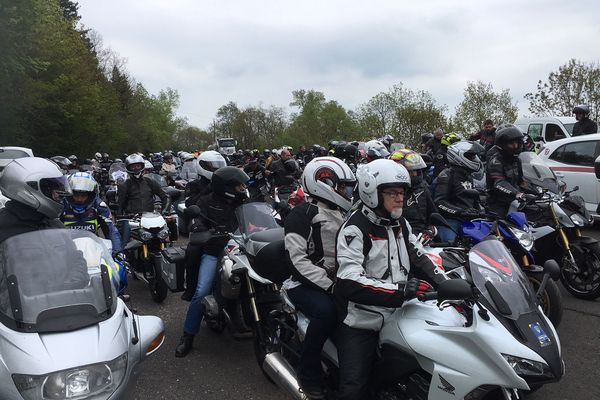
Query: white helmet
210, 161
374, 149
378, 175
329, 179
37, 183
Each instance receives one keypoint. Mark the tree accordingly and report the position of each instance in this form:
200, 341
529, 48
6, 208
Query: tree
574, 83
481, 102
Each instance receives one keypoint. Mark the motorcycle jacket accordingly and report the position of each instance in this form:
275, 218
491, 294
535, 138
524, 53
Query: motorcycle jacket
196, 189
17, 218
137, 195
257, 180
504, 180
96, 216
375, 258
440, 160
216, 214
584, 127
450, 195
418, 206
310, 232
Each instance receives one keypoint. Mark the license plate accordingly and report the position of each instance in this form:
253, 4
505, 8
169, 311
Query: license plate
541, 335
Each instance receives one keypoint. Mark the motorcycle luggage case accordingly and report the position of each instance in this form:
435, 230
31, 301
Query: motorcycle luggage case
173, 261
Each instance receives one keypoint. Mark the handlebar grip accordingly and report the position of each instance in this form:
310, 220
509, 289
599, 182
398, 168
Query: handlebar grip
428, 296
440, 244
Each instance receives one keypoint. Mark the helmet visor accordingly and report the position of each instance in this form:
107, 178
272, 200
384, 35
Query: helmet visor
55, 188
212, 166
346, 189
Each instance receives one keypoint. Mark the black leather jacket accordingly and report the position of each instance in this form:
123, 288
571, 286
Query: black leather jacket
584, 127
17, 218
450, 197
218, 214
418, 206
504, 180
137, 195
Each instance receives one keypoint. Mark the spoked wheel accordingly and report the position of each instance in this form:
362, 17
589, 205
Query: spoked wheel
550, 299
582, 280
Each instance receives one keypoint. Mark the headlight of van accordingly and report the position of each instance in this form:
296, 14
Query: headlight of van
85, 382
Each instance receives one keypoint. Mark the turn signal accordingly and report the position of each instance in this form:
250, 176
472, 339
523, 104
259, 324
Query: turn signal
155, 344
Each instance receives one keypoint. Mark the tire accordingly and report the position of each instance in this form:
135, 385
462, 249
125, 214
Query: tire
158, 289
551, 299
214, 325
585, 284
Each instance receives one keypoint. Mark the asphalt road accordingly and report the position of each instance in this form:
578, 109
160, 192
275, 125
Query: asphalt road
221, 368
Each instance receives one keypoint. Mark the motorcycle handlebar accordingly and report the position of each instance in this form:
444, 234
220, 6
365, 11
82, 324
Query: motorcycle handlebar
428, 296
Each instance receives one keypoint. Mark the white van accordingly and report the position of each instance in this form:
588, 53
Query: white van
546, 129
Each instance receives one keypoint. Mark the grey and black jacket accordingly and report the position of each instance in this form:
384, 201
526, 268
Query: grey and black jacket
375, 257
450, 197
310, 232
418, 206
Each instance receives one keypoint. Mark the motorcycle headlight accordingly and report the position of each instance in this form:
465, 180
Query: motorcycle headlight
528, 368
146, 236
525, 238
163, 234
578, 220
87, 382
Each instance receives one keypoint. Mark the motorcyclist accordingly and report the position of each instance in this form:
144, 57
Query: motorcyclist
387, 141
425, 138
208, 162
378, 260
486, 136
440, 160
454, 194
257, 185
310, 231
36, 188
375, 150
85, 210
136, 195
217, 211
168, 168
418, 205
434, 143
285, 172
504, 171
584, 124
63, 163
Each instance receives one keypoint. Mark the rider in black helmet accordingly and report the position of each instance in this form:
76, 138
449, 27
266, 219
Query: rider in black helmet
584, 124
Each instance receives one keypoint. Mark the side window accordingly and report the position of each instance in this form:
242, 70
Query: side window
553, 132
558, 154
534, 130
579, 153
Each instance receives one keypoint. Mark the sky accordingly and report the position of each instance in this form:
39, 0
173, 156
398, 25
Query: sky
257, 52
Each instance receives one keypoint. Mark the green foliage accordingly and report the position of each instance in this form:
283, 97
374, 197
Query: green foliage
574, 83
481, 102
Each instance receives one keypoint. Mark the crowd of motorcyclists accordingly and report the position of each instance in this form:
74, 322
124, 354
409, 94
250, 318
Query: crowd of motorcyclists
351, 212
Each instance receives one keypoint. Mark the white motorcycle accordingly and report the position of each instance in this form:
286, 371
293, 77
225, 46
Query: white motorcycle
484, 338
64, 333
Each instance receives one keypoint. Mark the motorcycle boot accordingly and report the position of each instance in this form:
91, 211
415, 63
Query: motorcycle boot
312, 390
185, 345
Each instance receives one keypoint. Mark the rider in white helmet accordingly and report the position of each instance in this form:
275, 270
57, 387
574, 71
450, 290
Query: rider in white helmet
310, 230
377, 258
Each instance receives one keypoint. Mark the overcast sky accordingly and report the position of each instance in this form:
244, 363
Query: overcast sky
257, 52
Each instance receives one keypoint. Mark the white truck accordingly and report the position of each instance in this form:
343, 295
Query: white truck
226, 146
546, 129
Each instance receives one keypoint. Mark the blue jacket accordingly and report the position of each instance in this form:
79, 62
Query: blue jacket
96, 216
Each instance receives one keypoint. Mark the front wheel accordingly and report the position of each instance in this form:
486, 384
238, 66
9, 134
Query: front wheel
582, 281
158, 289
550, 299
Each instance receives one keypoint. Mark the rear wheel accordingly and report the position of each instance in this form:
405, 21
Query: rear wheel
550, 299
582, 281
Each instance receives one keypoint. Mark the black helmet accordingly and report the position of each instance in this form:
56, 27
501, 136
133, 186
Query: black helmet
332, 144
426, 137
581, 109
507, 133
349, 152
225, 180
291, 166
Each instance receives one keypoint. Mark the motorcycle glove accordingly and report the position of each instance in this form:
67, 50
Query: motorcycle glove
416, 287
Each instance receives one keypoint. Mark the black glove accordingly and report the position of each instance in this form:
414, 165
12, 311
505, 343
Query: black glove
416, 287
470, 213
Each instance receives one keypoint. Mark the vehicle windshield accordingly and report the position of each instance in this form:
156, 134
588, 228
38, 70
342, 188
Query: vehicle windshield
500, 280
161, 180
536, 171
51, 280
226, 143
255, 217
117, 172
11, 154
569, 127
189, 170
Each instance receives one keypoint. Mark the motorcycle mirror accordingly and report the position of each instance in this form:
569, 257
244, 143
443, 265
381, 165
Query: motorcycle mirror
597, 167
576, 188
437, 219
192, 211
454, 289
552, 268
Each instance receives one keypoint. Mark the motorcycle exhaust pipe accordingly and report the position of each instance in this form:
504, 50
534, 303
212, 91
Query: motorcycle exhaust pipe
282, 373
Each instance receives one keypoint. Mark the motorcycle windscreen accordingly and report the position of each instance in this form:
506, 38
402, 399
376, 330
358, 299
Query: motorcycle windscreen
56, 280
118, 173
537, 172
161, 180
500, 279
255, 217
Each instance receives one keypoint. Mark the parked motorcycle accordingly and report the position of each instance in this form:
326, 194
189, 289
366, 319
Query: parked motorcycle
558, 217
485, 338
64, 333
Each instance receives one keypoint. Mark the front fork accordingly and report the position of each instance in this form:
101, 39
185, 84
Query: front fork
565, 240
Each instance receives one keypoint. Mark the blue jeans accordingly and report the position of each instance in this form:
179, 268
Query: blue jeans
447, 235
206, 279
319, 308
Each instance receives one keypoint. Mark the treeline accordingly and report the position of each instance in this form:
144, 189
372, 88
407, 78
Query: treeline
62, 92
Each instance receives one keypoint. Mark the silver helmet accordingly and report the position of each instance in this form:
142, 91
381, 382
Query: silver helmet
134, 164
465, 154
37, 183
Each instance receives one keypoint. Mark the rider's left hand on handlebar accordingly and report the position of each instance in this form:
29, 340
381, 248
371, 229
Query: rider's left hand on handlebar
416, 287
